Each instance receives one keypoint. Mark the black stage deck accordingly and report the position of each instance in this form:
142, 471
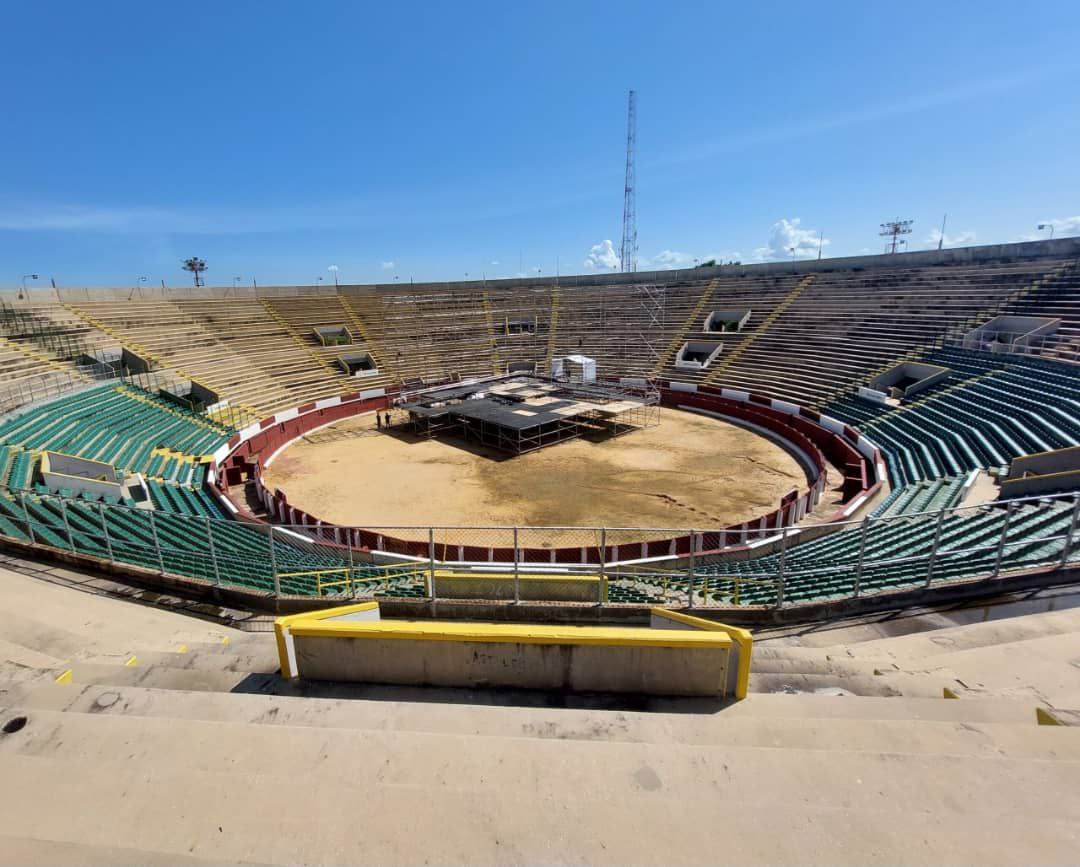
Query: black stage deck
520, 413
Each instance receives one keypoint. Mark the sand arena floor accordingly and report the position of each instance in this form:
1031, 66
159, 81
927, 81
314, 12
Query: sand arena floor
690, 471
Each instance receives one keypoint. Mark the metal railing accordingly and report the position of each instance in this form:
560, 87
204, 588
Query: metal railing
857, 558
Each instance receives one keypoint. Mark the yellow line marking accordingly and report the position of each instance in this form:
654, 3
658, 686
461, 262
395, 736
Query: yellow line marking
1045, 718
65, 676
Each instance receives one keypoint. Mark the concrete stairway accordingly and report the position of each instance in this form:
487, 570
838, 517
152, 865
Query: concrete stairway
206, 755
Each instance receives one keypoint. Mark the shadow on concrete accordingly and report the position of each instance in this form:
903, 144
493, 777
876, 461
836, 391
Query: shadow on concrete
273, 684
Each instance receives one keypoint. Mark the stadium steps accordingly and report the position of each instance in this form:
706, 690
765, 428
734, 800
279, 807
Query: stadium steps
553, 327
235, 791
489, 321
729, 358
667, 359
297, 339
382, 360
171, 765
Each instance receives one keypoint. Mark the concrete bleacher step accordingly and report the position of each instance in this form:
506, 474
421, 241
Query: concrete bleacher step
406, 710
893, 683
290, 794
158, 676
263, 659
21, 849
218, 740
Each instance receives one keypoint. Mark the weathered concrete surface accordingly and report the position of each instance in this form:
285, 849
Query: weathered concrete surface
576, 667
138, 767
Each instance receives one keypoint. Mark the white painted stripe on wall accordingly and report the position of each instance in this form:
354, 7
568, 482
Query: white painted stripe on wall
832, 424
784, 406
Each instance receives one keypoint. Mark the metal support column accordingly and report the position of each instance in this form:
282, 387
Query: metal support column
934, 549
603, 567
780, 570
213, 551
67, 524
862, 553
26, 517
105, 532
517, 575
157, 544
1004, 538
1066, 549
273, 562
431, 561
690, 570
350, 587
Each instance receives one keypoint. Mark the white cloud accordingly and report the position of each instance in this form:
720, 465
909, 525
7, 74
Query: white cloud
957, 240
787, 240
602, 255
1064, 227
668, 259
387, 266
494, 262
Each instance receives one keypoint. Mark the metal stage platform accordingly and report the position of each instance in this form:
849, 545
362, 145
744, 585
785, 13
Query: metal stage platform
519, 414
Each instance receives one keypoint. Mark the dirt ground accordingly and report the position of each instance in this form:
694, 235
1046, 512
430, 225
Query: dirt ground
690, 471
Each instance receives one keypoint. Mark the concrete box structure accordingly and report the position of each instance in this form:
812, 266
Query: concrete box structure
675, 655
531, 587
80, 476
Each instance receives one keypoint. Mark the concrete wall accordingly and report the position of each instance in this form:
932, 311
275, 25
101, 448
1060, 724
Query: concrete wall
535, 588
579, 668
926, 376
1057, 248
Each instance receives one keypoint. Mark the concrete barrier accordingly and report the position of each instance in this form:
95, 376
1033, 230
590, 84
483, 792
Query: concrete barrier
675, 655
531, 587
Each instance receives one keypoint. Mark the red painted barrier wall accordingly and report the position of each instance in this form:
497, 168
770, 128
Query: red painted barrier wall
817, 442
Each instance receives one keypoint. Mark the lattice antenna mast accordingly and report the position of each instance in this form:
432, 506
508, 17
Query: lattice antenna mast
894, 230
628, 251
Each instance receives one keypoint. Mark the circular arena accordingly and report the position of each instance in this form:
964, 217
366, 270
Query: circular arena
687, 470
767, 440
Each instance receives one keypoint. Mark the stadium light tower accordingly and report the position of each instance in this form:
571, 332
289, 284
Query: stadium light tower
628, 251
24, 279
1044, 226
333, 269
894, 230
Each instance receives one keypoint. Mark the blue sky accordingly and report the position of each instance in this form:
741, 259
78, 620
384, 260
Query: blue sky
434, 140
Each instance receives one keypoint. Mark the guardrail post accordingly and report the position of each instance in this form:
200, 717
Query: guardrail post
934, 548
603, 567
157, 543
350, 587
1004, 537
213, 551
273, 563
862, 553
105, 532
1066, 549
690, 569
26, 517
431, 560
780, 570
67, 524
517, 576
